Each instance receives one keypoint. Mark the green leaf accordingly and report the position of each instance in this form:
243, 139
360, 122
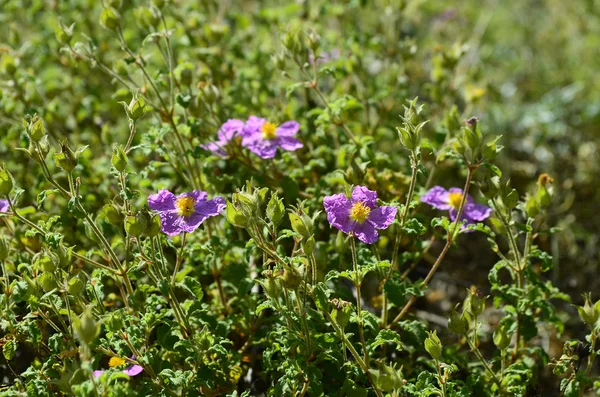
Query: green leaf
193, 286
387, 336
9, 350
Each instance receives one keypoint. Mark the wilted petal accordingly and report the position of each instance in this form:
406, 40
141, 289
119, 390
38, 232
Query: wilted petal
382, 217
365, 232
215, 147
338, 212
289, 128
289, 143
437, 197
171, 223
364, 195
164, 200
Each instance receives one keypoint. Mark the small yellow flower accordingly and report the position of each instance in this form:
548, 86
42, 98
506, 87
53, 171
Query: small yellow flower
359, 212
455, 199
269, 130
116, 362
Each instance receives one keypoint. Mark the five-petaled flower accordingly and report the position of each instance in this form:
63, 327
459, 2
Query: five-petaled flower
185, 212
131, 370
449, 200
359, 214
263, 137
4, 206
226, 134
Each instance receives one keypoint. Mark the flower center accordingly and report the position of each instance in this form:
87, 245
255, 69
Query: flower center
116, 362
454, 199
359, 212
185, 205
269, 130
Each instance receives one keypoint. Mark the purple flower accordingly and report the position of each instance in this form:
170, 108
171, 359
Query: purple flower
359, 214
226, 133
4, 206
132, 370
449, 200
184, 213
325, 56
263, 137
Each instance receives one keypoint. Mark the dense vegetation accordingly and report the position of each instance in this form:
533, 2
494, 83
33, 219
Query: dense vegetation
308, 198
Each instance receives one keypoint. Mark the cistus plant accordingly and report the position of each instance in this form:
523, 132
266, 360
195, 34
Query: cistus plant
311, 198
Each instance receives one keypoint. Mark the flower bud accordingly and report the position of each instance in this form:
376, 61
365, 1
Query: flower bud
458, 323
433, 345
589, 313
511, 199
543, 195
110, 18
6, 181
46, 281
314, 41
86, 328
271, 285
532, 207
119, 158
8, 65
279, 61
340, 245
340, 312
490, 187
408, 138
291, 278
36, 130
235, 217
47, 263
116, 4
275, 209
4, 247
185, 73
471, 133
300, 225
210, 94
75, 285
159, 3
136, 224
66, 159
501, 337
308, 245
475, 303
63, 33
112, 214
146, 18
153, 226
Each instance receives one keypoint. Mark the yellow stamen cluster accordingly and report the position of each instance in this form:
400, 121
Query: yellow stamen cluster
359, 212
185, 205
116, 362
269, 130
455, 199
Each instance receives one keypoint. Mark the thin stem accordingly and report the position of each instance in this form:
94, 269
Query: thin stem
179, 259
452, 234
483, 361
440, 377
357, 285
132, 130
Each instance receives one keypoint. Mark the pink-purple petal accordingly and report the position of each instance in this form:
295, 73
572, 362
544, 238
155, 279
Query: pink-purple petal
164, 200
289, 143
477, 212
365, 232
171, 223
437, 197
364, 195
229, 130
265, 149
197, 195
287, 129
98, 373
252, 126
134, 370
382, 217
4, 206
338, 212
